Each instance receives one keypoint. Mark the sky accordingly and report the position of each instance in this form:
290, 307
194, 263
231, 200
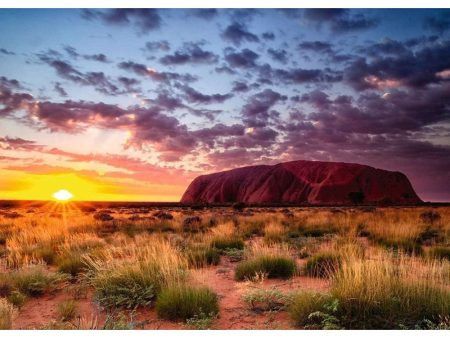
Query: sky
132, 104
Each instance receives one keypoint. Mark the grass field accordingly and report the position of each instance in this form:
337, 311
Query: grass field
73, 266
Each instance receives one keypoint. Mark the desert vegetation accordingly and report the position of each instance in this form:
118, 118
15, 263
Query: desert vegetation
133, 267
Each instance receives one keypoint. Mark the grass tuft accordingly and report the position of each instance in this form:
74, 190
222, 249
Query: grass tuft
186, 302
273, 266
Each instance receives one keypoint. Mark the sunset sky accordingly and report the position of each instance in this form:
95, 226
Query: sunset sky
133, 104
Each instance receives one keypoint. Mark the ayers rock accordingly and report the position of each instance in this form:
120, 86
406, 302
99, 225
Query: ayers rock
303, 182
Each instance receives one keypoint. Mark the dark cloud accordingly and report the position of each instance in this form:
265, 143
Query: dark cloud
17, 143
241, 87
60, 90
190, 53
129, 83
193, 96
154, 46
316, 46
10, 83
439, 23
237, 33
98, 80
324, 14
10, 101
73, 53
143, 19
339, 20
270, 36
425, 66
279, 55
204, 13
246, 58
6, 52
143, 70
258, 110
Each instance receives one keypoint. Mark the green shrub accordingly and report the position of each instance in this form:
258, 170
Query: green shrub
67, 310
322, 265
304, 304
273, 266
6, 285
440, 252
17, 299
265, 300
35, 281
234, 255
185, 302
406, 245
200, 322
71, 264
126, 287
222, 243
203, 256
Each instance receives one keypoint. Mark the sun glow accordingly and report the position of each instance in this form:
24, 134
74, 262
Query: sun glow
62, 195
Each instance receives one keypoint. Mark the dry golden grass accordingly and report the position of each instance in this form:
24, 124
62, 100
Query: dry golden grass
378, 249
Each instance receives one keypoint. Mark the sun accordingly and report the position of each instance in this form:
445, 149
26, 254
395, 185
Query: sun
62, 195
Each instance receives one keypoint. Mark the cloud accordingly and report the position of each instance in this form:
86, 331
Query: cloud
190, 53
316, 46
270, 36
339, 20
237, 33
204, 13
279, 55
17, 143
6, 52
143, 70
143, 19
439, 23
257, 111
393, 69
10, 101
73, 53
60, 90
193, 96
98, 80
246, 58
155, 46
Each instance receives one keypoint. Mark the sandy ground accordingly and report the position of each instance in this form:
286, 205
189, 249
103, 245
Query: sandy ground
234, 313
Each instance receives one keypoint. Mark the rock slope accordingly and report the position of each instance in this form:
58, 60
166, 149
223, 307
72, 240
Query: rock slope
303, 182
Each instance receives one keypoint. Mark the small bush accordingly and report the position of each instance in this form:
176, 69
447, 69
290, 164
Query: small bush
72, 264
35, 281
203, 256
234, 255
17, 299
306, 303
322, 265
185, 302
67, 310
201, 322
406, 245
273, 266
7, 313
430, 217
440, 252
222, 243
124, 288
265, 300
6, 285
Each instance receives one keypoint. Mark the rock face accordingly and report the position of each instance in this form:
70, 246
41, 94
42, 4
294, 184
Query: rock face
303, 182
